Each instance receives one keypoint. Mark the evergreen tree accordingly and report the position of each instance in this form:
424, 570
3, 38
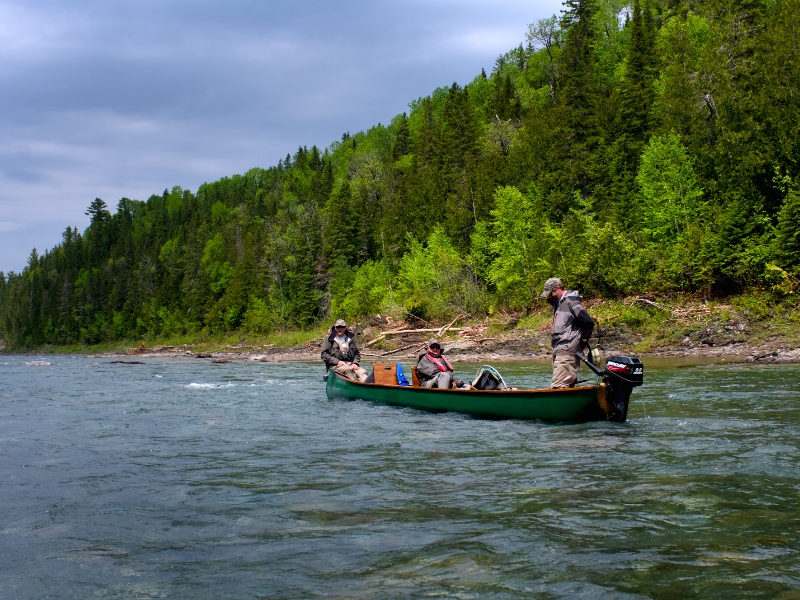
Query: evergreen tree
458, 141
578, 104
341, 227
634, 102
788, 232
504, 102
402, 142
314, 161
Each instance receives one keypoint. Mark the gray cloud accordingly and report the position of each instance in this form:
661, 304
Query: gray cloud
115, 99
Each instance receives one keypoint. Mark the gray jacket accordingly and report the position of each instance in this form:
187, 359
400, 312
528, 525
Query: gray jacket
571, 324
427, 369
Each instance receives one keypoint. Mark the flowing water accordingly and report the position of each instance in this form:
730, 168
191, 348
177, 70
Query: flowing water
185, 479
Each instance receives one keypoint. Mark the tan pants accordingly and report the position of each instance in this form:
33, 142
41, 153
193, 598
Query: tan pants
565, 370
357, 374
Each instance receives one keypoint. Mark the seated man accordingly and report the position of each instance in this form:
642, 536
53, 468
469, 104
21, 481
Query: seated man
433, 369
340, 353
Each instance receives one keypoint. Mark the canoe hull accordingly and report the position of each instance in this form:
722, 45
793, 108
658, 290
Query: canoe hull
578, 404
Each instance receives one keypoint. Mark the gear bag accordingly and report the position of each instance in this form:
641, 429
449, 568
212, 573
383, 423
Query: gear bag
486, 380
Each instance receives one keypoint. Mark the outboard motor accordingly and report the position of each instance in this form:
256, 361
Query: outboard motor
620, 376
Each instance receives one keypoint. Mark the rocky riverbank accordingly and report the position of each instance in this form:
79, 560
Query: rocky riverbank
481, 348
750, 328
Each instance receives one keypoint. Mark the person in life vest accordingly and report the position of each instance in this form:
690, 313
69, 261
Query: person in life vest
569, 332
433, 369
340, 353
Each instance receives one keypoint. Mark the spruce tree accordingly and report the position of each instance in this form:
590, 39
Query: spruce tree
327, 177
459, 139
314, 160
341, 227
577, 103
402, 140
427, 143
631, 127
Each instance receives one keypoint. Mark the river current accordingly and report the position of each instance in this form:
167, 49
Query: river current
186, 479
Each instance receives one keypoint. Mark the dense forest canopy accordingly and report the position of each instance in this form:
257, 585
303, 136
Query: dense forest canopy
624, 148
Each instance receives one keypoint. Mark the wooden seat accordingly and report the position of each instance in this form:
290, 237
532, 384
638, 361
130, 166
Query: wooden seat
414, 377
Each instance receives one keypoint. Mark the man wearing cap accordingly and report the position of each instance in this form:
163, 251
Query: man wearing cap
340, 353
433, 369
570, 331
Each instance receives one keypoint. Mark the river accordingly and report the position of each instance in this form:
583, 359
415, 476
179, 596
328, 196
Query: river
182, 478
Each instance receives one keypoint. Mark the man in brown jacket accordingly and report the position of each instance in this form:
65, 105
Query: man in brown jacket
340, 352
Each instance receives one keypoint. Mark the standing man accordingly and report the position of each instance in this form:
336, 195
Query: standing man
433, 369
570, 331
340, 353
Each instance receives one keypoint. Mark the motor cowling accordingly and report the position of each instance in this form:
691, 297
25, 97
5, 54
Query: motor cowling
621, 374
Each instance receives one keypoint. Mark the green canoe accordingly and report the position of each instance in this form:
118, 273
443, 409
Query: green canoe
587, 403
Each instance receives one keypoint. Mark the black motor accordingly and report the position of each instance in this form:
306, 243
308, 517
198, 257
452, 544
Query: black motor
621, 375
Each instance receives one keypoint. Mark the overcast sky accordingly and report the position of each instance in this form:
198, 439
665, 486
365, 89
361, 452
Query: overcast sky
113, 98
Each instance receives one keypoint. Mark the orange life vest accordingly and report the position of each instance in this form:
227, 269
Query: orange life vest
441, 362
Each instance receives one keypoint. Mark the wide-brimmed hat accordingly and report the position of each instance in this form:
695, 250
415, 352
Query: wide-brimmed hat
550, 285
340, 323
434, 342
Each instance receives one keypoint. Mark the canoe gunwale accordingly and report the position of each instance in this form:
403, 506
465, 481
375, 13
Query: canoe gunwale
459, 391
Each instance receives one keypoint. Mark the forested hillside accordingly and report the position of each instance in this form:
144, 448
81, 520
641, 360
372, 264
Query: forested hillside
625, 149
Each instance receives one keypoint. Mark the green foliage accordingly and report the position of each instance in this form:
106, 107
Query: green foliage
787, 239
218, 270
260, 317
669, 189
682, 43
519, 244
646, 137
433, 279
361, 291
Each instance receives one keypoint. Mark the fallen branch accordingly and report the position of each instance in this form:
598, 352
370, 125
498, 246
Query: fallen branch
377, 339
651, 303
448, 326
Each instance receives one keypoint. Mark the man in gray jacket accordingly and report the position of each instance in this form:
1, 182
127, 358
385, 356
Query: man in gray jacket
570, 331
433, 369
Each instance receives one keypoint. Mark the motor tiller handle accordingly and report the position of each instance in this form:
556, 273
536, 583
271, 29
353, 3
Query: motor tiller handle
594, 368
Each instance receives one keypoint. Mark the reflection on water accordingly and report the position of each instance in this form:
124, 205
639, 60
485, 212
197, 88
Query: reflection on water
190, 479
